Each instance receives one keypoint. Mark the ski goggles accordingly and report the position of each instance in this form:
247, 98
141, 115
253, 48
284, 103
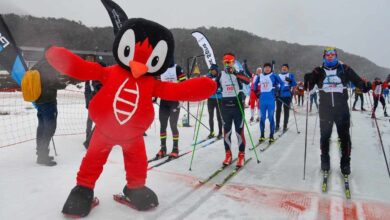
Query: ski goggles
330, 53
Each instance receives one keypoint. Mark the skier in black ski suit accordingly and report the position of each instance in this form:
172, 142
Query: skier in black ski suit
170, 110
332, 79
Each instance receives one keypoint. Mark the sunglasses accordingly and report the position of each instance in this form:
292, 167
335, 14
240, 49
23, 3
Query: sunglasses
330, 53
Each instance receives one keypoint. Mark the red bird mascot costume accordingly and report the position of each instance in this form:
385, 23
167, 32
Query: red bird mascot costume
123, 108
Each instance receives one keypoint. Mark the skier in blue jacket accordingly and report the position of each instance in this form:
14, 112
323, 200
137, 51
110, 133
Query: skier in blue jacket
268, 82
283, 96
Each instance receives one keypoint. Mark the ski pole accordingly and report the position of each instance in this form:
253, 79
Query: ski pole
54, 147
205, 126
380, 139
315, 128
196, 136
243, 117
196, 118
295, 118
381, 142
307, 119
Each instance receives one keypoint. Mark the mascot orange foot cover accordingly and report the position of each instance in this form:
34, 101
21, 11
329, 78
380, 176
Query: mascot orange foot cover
123, 108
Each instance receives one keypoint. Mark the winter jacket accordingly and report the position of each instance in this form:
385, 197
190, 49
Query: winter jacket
332, 83
50, 82
289, 83
378, 88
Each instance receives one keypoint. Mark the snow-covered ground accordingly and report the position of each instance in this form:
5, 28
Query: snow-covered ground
272, 189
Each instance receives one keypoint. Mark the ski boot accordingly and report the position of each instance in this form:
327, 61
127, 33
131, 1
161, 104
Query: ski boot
141, 199
261, 139
175, 153
80, 202
240, 159
219, 135
354, 109
277, 128
271, 139
211, 135
228, 158
46, 160
285, 129
363, 110
162, 153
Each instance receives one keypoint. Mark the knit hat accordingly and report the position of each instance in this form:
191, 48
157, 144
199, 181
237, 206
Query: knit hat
214, 67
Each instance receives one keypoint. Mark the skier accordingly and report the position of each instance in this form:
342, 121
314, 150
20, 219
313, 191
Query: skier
253, 100
268, 82
332, 79
295, 95
386, 92
230, 82
284, 96
47, 112
214, 104
170, 110
313, 98
246, 88
90, 90
301, 92
378, 89
358, 94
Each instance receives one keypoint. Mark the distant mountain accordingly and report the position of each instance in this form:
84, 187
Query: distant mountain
40, 32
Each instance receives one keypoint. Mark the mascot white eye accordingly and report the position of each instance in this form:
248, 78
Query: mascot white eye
158, 56
126, 47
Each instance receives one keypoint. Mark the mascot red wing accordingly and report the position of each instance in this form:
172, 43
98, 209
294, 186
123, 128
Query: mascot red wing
123, 108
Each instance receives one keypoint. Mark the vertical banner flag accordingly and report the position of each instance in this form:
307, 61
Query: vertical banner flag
10, 57
206, 47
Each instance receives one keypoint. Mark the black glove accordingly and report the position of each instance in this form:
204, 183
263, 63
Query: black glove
288, 79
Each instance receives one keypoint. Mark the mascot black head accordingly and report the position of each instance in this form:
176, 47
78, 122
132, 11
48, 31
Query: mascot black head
140, 46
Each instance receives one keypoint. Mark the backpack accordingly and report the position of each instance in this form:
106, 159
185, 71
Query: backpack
31, 85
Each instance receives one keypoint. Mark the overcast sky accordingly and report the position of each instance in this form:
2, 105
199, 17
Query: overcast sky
357, 26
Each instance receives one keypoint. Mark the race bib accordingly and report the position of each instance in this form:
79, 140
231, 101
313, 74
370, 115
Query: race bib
227, 86
266, 83
332, 83
378, 90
